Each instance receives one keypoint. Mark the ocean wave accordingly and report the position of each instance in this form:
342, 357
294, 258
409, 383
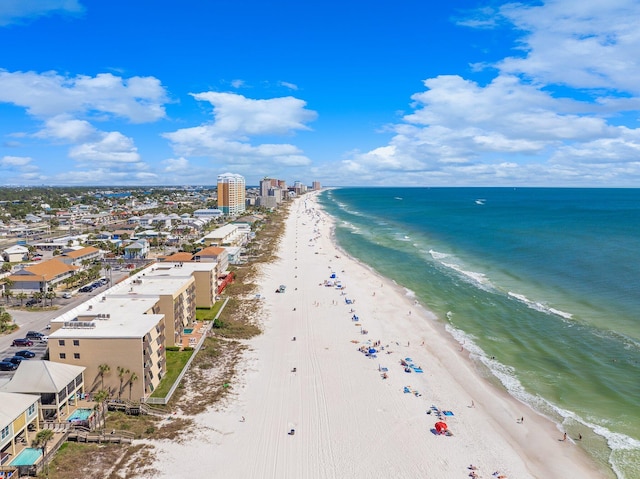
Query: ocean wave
437, 255
344, 207
479, 279
616, 442
537, 306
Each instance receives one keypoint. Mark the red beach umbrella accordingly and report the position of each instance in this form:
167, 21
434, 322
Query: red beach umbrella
441, 427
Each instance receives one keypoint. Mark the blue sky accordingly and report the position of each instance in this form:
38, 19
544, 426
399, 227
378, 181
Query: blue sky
405, 93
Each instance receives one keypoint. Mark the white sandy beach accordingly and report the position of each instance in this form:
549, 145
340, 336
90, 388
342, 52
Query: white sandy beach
349, 421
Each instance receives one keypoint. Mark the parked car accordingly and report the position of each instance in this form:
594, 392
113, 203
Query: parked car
25, 353
31, 302
7, 366
37, 336
86, 289
67, 295
15, 360
22, 342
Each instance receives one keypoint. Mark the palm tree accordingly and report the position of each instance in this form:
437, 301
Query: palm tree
8, 294
22, 296
41, 440
107, 270
102, 370
50, 295
132, 378
100, 397
38, 296
121, 372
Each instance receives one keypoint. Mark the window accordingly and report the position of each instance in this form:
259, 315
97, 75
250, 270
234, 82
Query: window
76, 355
60, 342
31, 409
76, 342
5, 432
63, 355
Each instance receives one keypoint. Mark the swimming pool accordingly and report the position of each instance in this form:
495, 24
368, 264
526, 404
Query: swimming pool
188, 330
80, 414
27, 457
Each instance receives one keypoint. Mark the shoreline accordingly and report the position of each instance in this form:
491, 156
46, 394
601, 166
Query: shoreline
348, 420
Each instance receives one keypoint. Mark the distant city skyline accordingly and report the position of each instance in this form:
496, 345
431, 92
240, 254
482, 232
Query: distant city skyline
359, 93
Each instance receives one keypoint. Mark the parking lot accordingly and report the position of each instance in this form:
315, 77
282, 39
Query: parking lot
37, 319
39, 348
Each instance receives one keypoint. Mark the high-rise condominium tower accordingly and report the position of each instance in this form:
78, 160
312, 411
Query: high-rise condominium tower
231, 194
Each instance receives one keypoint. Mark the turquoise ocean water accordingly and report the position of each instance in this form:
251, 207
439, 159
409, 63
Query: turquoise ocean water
543, 285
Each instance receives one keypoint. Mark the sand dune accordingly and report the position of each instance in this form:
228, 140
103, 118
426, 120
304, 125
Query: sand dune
349, 421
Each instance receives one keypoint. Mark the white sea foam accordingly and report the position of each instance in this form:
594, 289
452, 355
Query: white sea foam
506, 375
409, 293
437, 255
539, 306
479, 279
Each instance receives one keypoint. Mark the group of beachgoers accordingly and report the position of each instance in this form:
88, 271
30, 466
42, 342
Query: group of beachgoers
370, 349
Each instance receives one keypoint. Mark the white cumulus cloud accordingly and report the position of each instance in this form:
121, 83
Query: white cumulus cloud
237, 120
137, 99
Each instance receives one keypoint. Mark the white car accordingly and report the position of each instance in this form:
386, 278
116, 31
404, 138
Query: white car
67, 295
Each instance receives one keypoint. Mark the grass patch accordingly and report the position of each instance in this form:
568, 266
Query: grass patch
176, 361
207, 314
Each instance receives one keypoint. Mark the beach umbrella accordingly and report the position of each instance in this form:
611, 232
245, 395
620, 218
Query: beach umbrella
441, 427
372, 350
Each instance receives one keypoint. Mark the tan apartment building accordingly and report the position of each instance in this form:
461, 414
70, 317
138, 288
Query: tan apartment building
128, 327
119, 340
231, 194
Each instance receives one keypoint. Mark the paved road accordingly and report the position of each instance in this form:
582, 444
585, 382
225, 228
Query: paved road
36, 320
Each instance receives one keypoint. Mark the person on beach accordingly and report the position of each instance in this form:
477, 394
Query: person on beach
564, 438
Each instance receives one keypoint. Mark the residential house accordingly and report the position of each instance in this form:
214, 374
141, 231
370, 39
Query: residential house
137, 249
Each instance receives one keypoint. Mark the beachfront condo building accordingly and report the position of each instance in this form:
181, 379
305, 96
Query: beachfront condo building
121, 336
119, 340
18, 423
231, 194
